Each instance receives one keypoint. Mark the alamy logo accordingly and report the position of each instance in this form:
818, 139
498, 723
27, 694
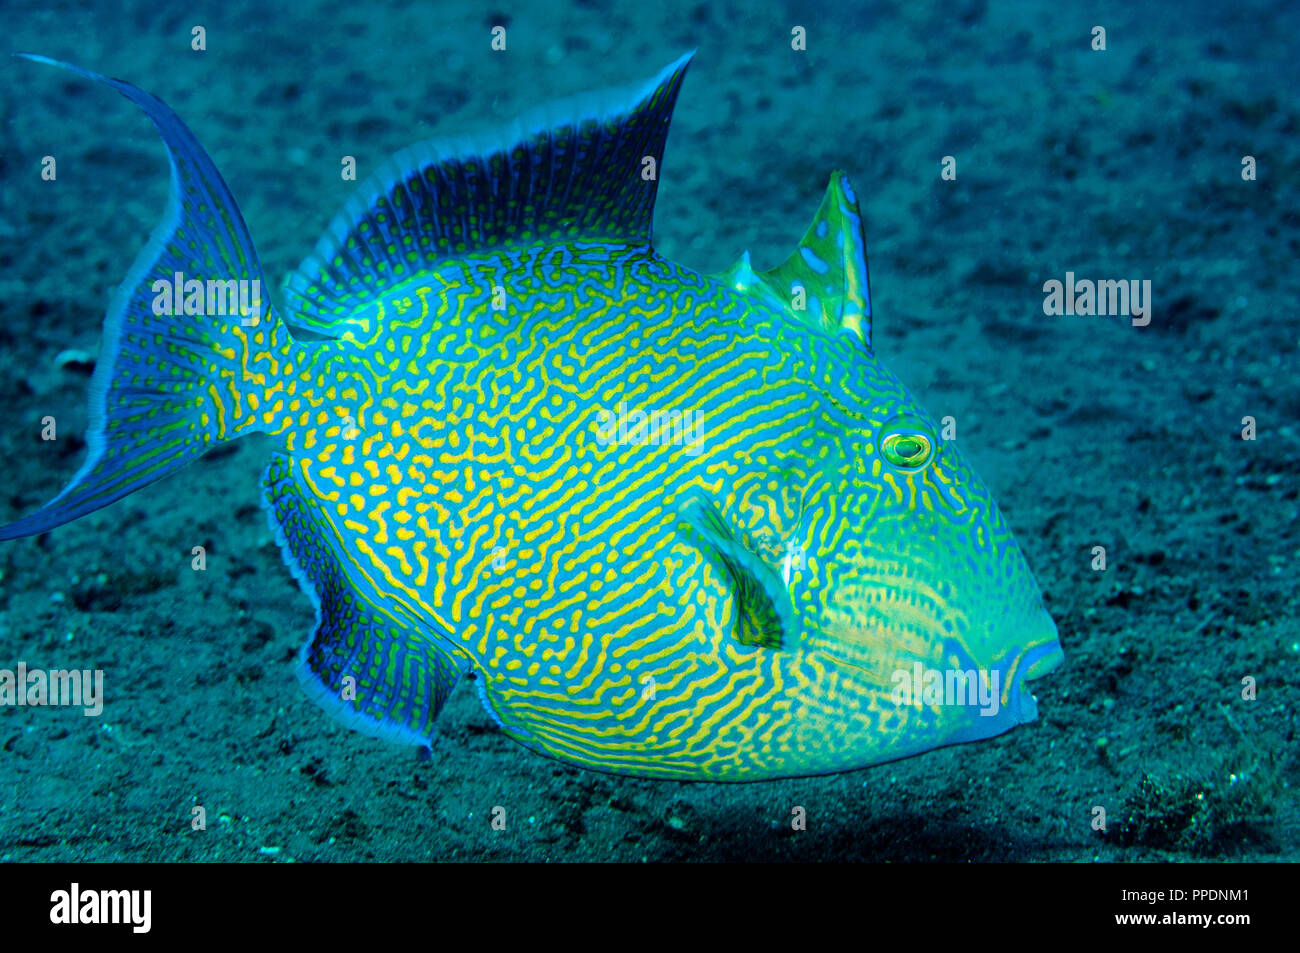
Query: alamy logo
73, 689
921, 686
73, 906
677, 428
229, 296
1128, 298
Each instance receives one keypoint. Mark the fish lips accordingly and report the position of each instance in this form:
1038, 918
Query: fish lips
1043, 656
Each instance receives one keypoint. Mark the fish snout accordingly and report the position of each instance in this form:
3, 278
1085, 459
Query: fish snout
1042, 654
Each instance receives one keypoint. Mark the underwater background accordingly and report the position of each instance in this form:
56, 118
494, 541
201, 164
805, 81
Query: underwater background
1122, 163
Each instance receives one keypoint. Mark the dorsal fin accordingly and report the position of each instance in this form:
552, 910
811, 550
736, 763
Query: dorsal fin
830, 266
571, 170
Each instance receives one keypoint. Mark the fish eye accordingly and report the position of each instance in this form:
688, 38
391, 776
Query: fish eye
906, 444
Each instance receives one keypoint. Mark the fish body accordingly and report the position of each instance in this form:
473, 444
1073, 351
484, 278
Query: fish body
673, 525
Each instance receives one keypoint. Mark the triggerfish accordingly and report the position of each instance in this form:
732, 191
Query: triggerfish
671, 525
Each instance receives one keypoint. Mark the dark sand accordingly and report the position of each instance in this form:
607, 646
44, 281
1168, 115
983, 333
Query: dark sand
1122, 164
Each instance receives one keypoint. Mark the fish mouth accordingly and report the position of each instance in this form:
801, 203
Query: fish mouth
1042, 657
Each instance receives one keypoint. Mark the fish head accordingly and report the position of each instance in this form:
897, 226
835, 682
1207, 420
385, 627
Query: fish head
909, 613
917, 618
927, 571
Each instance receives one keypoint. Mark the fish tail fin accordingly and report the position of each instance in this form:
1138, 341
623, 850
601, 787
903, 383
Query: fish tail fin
190, 351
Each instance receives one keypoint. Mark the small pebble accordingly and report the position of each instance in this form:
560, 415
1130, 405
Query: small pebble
74, 359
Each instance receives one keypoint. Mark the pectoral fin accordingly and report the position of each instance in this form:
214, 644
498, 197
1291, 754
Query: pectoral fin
764, 614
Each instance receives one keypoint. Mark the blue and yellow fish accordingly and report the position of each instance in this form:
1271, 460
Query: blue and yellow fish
672, 525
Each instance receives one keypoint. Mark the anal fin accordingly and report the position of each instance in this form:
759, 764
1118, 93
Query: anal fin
374, 673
